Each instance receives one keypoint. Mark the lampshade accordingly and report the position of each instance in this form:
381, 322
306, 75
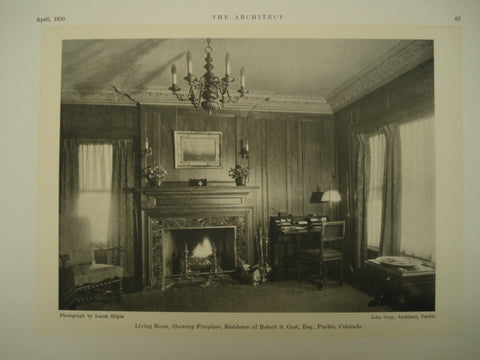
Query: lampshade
331, 196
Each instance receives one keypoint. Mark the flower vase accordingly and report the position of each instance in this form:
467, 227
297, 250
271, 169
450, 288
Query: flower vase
155, 182
241, 181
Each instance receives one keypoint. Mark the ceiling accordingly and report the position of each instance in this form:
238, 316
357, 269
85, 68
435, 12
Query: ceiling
309, 70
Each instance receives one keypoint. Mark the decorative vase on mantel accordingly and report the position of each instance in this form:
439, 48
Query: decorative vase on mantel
240, 174
241, 181
154, 175
154, 182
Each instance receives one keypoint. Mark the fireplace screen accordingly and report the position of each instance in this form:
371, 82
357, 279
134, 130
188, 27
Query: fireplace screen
205, 250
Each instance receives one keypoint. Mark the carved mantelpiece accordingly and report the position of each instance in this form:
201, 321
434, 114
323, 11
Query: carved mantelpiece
192, 196
166, 208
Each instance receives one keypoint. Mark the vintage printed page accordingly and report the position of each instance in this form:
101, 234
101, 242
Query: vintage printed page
33, 326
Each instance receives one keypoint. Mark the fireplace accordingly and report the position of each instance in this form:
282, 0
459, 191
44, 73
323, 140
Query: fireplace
215, 222
188, 252
171, 237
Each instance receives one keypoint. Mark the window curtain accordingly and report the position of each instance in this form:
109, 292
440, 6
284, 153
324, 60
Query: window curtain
95, 178
375, 189
121, 222
69, 178
392, 193
95, 166
418, 181
362, 180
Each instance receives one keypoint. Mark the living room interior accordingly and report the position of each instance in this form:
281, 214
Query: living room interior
278, 142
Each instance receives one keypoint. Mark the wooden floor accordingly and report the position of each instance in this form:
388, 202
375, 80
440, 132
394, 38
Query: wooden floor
274, 296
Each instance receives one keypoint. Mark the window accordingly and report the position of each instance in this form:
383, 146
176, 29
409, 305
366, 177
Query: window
375, 189
95, 182
418, 189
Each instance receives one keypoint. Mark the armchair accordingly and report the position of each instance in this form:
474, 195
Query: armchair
81, 279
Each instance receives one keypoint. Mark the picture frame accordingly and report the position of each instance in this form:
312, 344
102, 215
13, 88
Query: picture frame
198, 149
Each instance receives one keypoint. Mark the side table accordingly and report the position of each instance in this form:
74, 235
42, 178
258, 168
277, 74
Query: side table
404, 288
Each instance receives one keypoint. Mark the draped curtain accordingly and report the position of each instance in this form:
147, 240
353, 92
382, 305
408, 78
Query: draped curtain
69, 178
95, 166
361, 188
377, 211
418, 182
392, 193
375, 189
95, 183
122, 214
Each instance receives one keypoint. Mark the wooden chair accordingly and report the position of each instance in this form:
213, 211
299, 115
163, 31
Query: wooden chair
81, 279
325, 250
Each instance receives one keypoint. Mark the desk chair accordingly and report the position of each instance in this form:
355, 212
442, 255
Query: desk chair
325, 250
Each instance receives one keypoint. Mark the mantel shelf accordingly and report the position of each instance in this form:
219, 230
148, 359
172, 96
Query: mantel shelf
195, 189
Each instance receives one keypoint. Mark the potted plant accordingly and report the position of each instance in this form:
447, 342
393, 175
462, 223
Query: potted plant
240, 174
154, 174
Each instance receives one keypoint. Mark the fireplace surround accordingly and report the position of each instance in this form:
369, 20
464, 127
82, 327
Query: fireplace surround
166, 211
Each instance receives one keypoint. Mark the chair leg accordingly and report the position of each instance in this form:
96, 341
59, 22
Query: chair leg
299, 270
321, 276
341, 272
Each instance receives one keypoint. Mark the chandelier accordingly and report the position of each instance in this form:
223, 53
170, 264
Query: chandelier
209, 91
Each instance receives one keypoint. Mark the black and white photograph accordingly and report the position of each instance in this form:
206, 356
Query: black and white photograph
239, 180
247, 175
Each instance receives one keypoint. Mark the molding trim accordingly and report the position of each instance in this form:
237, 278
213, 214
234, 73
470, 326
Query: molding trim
402, 58
253, 102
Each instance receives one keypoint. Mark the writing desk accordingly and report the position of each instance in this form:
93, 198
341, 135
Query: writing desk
286, 234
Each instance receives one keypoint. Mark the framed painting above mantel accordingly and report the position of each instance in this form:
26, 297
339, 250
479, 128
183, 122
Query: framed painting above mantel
198, 149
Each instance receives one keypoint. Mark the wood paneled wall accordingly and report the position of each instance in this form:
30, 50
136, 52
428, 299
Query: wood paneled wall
290, 154
99, 121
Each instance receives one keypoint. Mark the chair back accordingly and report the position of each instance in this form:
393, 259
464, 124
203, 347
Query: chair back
75, 239
333, 231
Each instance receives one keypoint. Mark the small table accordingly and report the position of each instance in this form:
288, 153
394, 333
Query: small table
410, 288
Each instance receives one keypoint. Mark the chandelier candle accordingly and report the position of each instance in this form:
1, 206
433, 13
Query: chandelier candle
227, 64
174, 74
189, 63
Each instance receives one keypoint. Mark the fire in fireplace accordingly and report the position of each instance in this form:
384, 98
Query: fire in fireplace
202, 260
196, 251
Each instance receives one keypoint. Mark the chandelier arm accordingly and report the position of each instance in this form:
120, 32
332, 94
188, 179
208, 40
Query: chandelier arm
236, 99
197, 98
181, 97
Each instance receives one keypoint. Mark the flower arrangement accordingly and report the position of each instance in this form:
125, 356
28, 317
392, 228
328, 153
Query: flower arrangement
154, 174
238, 172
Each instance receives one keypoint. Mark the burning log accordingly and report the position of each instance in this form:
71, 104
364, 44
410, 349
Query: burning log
198, 262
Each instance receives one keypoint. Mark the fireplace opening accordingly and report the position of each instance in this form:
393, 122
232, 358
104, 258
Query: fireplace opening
190, 251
